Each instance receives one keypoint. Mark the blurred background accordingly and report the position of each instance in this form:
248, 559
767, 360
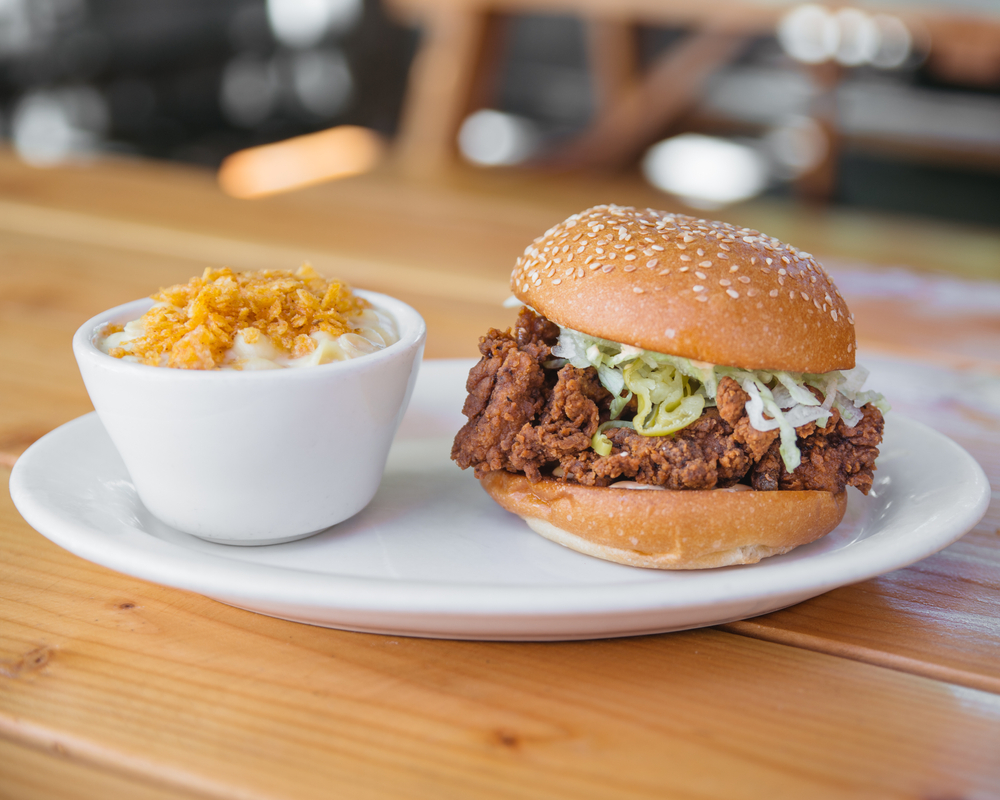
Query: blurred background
893, 106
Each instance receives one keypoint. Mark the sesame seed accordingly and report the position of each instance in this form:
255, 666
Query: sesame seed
704, 263
701, 275
791, 295
723, 247
683, 269
732, 293
524, 288
612, 255
557, 281
569, 271
804, 295
698, 288
833, 313
595, 266
630, 267
579, 272
751, 292
657, 247
599, 250
608, 268
663, 272
685, 258
773, 293
700, 252
702, 298
725, 282
734, 268
721, 255
630, 257
637, 290
816, 303
753, 260
786, 259
743, 279
769, 261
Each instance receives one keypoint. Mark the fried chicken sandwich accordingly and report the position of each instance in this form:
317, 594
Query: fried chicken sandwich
676, 393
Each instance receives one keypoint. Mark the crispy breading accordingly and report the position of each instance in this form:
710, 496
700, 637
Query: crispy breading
194, 323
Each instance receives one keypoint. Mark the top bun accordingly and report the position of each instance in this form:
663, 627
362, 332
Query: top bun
688, 287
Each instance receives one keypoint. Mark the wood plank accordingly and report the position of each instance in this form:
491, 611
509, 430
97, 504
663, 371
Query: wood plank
471, 222
201, 697
29, 773
58, 269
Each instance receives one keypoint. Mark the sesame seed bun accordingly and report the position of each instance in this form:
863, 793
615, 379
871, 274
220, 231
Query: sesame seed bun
674, 284
664, 529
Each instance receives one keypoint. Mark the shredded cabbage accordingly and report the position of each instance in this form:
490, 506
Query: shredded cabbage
672, 392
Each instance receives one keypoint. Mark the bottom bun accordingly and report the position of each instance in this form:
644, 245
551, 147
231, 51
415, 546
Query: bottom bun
691, 529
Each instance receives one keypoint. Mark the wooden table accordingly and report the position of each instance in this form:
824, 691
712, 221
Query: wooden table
112, 687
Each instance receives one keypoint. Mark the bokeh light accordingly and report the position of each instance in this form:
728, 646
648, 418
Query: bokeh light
494, 138
810, 34
301, 161
304, 23
52, 126
706, 172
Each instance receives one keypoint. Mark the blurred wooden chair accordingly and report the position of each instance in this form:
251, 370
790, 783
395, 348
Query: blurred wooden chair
458, 66
456, 70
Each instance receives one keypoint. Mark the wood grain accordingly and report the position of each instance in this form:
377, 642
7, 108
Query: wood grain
124, 687
29, 773
58, 266
471, 222
198, 696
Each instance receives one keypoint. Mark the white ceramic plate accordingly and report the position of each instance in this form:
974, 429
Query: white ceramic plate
434, 556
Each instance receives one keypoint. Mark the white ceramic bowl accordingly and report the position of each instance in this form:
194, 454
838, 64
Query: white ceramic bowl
255, 457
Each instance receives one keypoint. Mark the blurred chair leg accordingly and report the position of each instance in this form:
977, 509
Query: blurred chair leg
454, 70
613, 48
819, 184
669, 87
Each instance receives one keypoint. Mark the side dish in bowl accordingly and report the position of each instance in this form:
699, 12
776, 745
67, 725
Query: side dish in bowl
253, 408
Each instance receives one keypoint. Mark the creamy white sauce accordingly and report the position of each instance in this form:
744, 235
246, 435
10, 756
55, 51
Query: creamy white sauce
377, 330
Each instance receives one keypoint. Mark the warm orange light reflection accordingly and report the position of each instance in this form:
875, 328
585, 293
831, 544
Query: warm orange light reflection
302, 161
